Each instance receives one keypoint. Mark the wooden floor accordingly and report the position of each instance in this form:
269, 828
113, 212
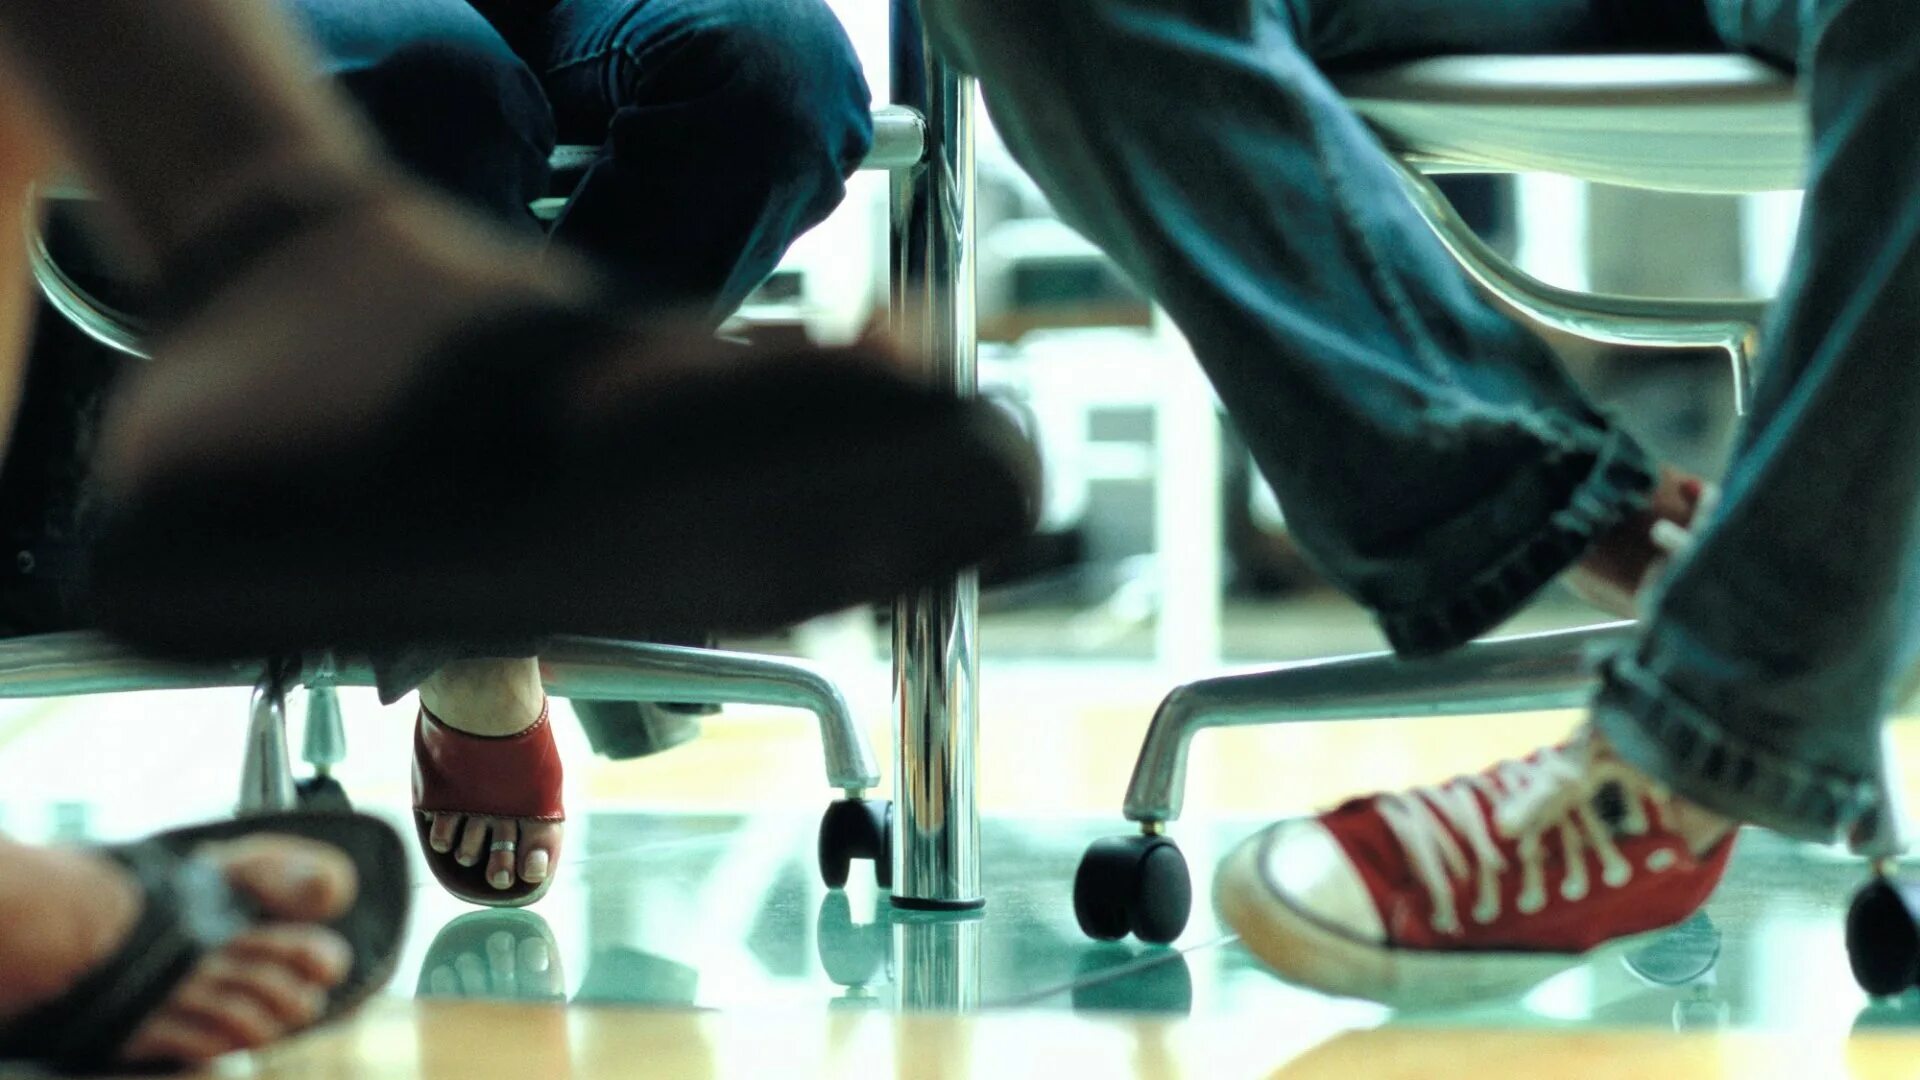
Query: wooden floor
479, 1041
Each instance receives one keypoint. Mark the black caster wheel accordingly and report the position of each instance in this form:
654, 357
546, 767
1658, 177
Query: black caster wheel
856, 829
1133, 885
322, 793
1883, 936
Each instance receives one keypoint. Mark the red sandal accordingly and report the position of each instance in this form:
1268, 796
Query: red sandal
511, 776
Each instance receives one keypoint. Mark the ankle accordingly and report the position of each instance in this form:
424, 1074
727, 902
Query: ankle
486, 697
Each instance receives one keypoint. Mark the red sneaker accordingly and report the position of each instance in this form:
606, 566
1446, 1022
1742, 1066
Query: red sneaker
1617, 574
1483, 885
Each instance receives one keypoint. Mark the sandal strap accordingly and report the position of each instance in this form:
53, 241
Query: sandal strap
187, 911
511, 776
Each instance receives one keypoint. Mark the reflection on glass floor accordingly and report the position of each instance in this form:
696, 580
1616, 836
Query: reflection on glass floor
726, 912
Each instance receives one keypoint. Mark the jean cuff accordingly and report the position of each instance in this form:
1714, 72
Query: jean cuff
1656, 730
1597, 488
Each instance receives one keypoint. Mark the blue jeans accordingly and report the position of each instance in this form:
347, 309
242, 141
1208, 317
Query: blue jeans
727, 127
1431, 454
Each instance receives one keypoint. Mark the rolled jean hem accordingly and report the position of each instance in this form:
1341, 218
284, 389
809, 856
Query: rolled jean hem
1652, 728
1604, 486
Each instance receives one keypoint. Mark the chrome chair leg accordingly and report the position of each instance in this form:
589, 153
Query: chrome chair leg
936, 664
266, 776
1649, 322
592, 669
1512, 674
1140, 885
325, 742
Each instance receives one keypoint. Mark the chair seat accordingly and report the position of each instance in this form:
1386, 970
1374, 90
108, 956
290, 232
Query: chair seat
1702, 123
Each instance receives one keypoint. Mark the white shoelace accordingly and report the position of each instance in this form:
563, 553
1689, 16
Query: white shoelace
1552, 793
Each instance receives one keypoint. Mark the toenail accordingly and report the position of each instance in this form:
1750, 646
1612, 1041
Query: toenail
332, 954
314, 1001
536, 866
441, 844
465, 859
502, 879
298, 873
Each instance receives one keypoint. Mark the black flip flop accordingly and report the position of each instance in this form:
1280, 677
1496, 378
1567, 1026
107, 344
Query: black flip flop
706, 489
188, 912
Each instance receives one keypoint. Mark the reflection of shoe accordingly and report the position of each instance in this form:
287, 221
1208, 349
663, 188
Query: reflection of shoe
512, 776
623, 976
495, 955
1480, 886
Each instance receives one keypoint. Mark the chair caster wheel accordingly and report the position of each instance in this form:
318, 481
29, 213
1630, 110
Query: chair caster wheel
856, 829
854, 955
322, 793
1133, 884
1883, 936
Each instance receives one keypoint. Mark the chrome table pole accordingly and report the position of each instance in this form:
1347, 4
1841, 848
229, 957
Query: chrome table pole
936, 847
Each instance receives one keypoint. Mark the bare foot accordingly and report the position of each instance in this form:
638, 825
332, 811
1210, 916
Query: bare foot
492, 698
267, 983
1621, 562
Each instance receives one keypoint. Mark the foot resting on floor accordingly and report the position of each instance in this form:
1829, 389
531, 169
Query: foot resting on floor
1483, 885
68, 912
486, 743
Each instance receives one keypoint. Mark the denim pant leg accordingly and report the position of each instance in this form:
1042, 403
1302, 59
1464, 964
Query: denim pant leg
1429, 453
1761, 684
448, 95
730, 128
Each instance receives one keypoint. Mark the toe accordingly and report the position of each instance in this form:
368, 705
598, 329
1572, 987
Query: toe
501, 962
292, 1001
232, 1012
535, 956
312, 953
171, 1040
443, 982
538, 973
473, 975
473, 842
501, 856
291, 877
540, 850
445, 828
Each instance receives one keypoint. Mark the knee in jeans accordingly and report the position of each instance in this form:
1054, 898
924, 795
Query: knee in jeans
795, 84
443, 89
